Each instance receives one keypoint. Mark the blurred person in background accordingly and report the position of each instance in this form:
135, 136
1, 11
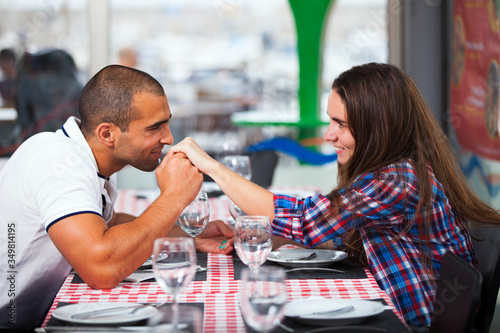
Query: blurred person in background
127, 57
8, 68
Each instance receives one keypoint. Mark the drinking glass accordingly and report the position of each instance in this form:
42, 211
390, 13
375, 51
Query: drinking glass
253, 239
190, 319
234, 210
174, 266
195, 216
226, 148
263, 297
239, 164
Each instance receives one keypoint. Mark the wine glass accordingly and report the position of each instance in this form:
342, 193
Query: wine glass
234, 210
227, 147
195, 216
253, 239
190, 319
239, 164
263, 297
174, 266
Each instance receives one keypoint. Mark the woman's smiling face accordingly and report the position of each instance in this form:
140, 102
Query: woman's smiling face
338, 132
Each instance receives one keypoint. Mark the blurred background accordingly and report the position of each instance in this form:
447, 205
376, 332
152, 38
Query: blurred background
214, 58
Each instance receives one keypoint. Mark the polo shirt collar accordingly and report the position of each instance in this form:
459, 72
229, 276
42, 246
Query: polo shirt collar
71, 129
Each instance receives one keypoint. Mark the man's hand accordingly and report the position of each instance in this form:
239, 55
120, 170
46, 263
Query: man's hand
216, 238
178, 178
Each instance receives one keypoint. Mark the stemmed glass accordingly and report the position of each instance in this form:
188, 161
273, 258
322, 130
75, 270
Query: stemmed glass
263, 297
227, 147
195, 216
174, 266
190, 319
234, 210
253, 239
241, 165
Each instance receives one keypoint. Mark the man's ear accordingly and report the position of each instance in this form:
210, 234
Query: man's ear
106, 133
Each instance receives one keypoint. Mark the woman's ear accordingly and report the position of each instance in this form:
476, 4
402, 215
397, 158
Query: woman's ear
106, 133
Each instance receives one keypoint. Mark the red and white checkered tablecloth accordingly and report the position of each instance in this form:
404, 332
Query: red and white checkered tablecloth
219, 292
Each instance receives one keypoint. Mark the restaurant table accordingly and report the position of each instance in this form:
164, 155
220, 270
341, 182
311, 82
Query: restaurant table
216, 290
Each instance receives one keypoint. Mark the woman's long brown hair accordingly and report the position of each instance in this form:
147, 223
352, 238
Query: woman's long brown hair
391, 122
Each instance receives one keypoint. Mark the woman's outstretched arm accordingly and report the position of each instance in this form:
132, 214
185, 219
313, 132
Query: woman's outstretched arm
250, 197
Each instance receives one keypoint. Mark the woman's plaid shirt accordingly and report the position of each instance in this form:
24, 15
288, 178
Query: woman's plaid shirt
380, 205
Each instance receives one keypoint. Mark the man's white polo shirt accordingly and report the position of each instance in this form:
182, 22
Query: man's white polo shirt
50, 177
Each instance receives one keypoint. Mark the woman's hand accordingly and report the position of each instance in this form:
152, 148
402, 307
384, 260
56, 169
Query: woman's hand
195, 154
216, 238
250, 197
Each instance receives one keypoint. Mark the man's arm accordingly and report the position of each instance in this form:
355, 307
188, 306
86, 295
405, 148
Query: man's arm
217, 237
102, 255
119, 218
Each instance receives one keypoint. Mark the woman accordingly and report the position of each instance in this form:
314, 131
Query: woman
401, 201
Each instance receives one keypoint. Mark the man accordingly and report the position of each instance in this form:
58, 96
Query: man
58, 189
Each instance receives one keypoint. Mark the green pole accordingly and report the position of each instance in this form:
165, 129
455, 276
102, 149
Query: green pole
311, 17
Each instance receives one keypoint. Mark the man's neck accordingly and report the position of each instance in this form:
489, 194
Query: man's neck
103, 157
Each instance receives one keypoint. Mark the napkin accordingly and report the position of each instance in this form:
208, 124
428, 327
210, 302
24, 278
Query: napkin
139, 276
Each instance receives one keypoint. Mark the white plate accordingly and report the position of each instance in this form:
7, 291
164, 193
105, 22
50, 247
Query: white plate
323, 258
301, 310
120, 316
148, 263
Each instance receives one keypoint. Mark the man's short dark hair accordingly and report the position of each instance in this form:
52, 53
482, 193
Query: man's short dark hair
108, 96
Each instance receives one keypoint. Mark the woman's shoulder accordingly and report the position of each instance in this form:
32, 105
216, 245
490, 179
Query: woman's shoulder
400, 169
397, 177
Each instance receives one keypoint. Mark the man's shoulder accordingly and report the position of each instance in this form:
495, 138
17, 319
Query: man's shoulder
48, 151
47, 144
45, 138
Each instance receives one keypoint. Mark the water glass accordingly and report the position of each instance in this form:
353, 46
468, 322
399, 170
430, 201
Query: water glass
234, 210
226, 148
253, 239
195, 216
263, 297
239, 164
174, 267
190, 319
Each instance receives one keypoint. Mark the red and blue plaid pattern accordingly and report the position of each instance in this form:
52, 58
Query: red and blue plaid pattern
381, 205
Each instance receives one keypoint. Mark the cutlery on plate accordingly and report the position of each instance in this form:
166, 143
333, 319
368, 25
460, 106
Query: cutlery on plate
51, 329
106, 312
147, 270
314, 268
286, 328
55, 329
342, 310
307, 257
347, 329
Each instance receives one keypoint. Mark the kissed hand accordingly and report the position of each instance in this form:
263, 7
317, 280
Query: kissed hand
195, 153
